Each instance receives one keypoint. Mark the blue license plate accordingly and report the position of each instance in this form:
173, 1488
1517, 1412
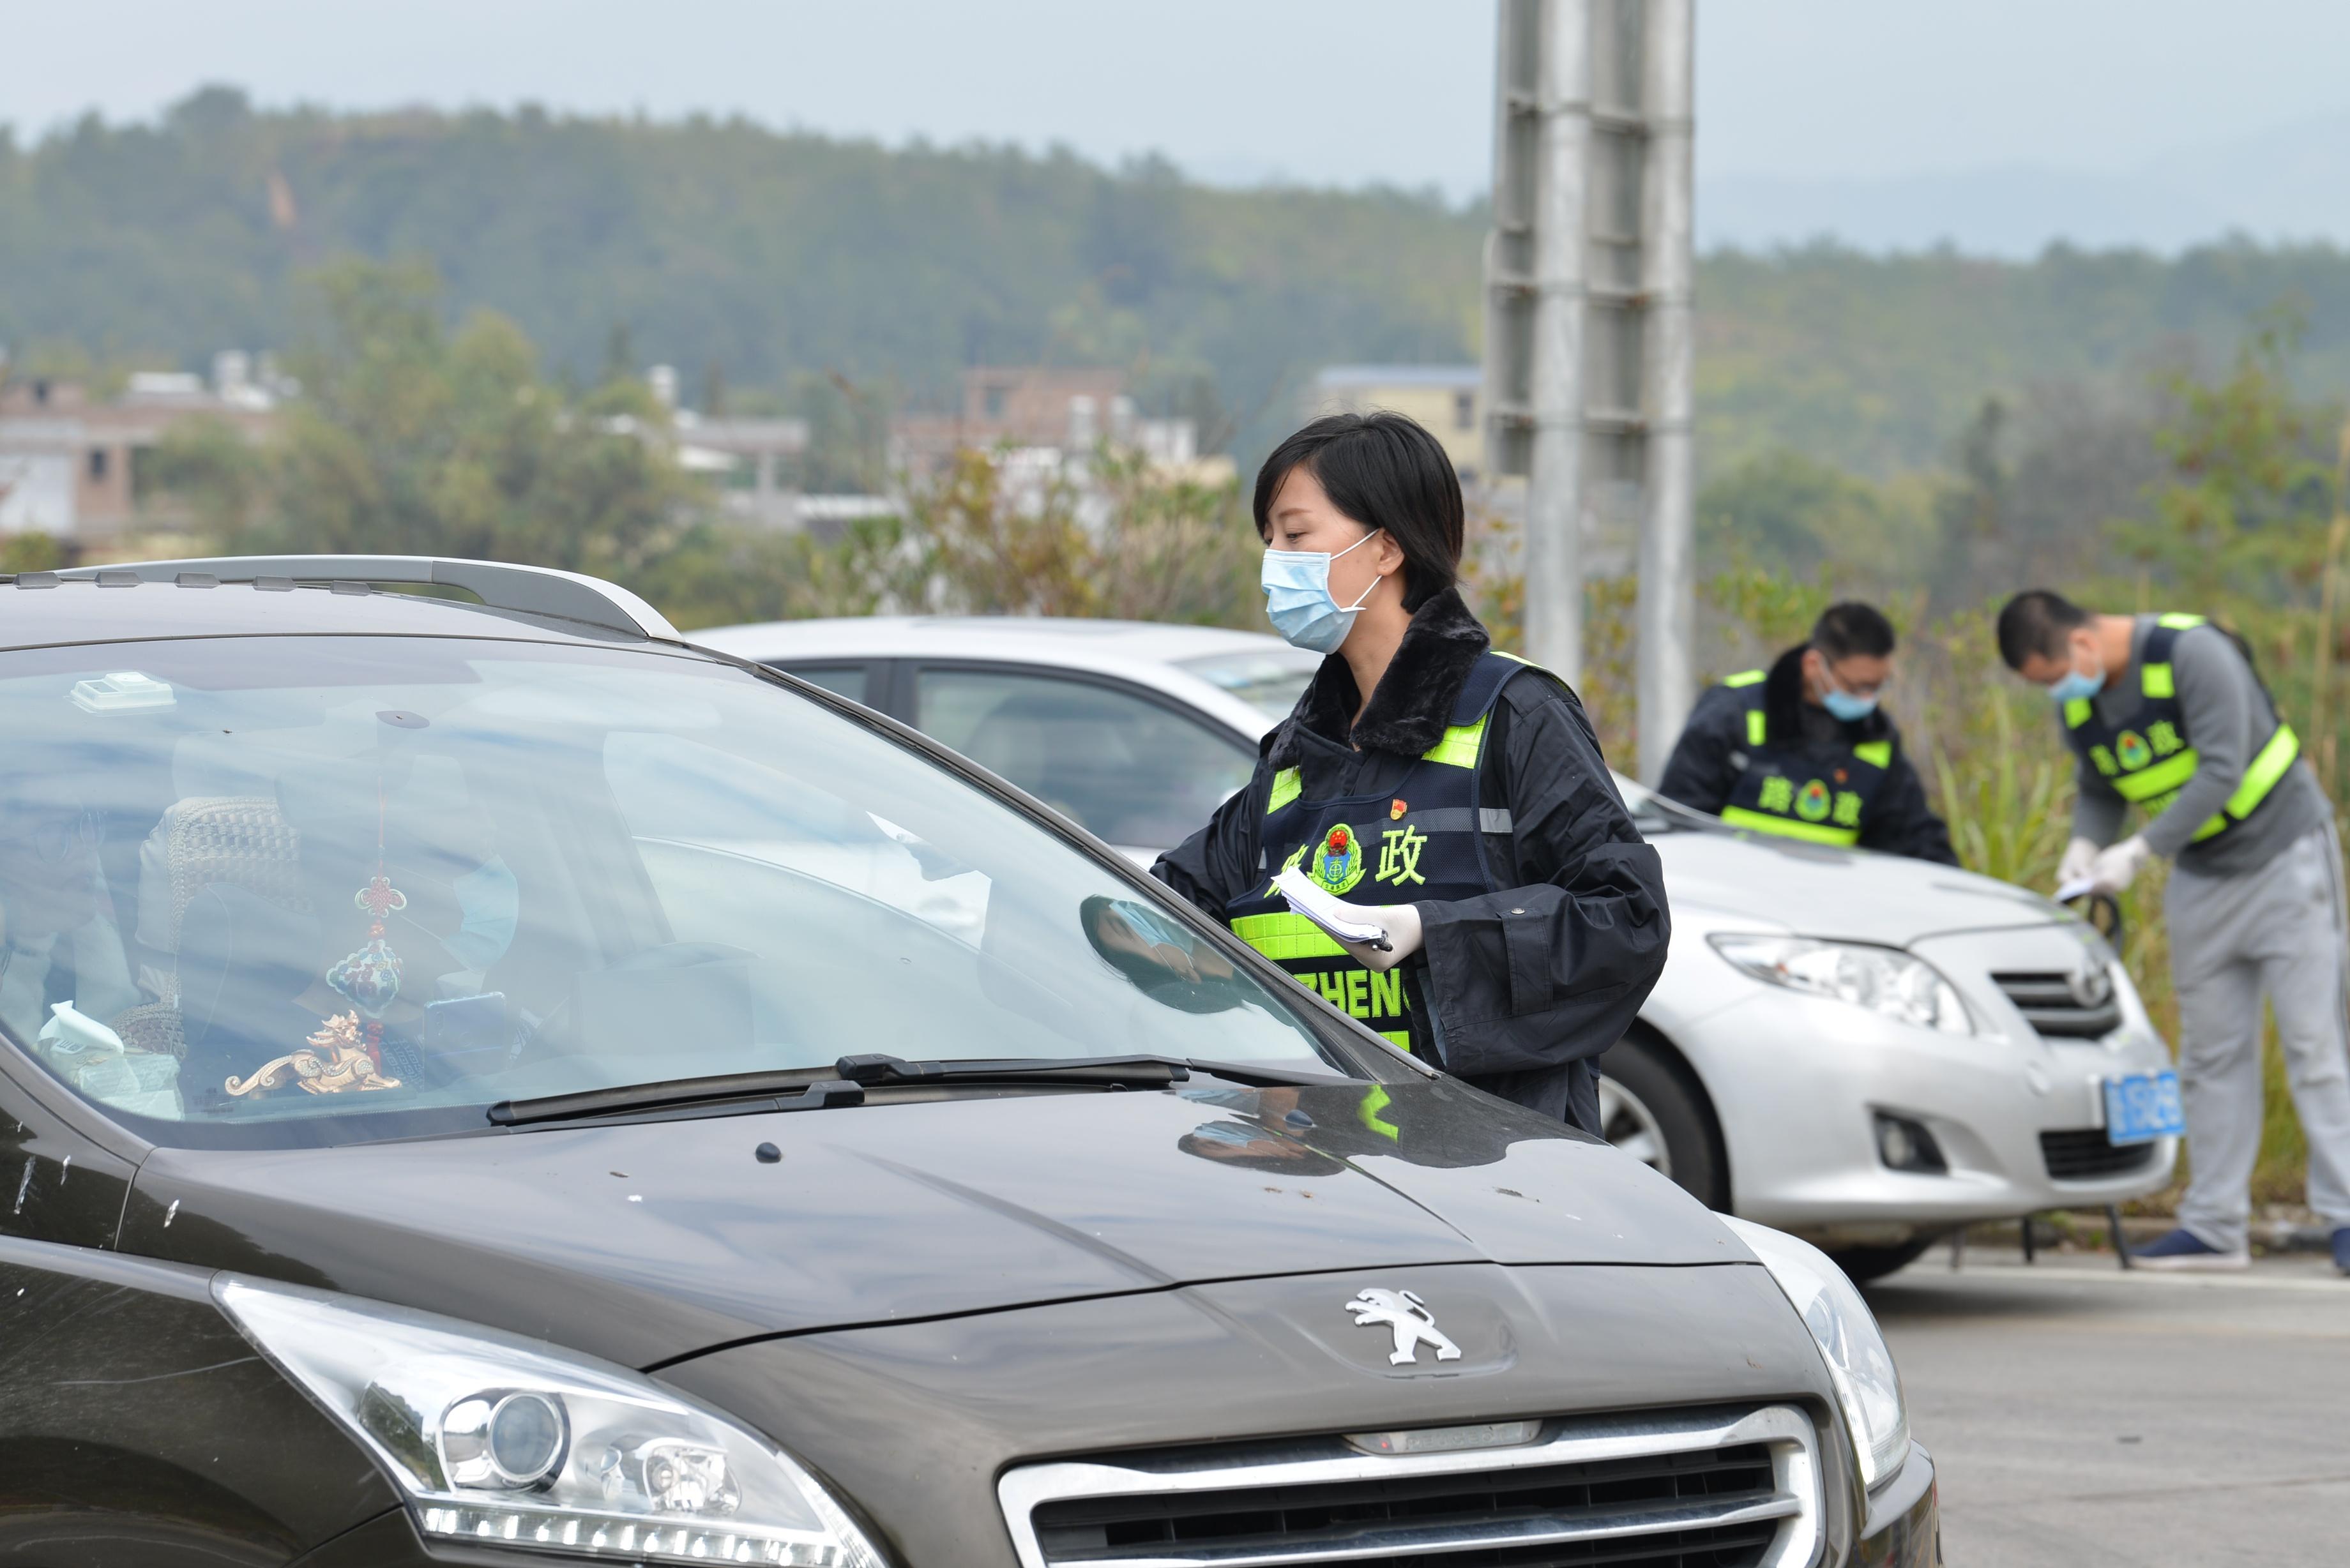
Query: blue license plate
2142, 1107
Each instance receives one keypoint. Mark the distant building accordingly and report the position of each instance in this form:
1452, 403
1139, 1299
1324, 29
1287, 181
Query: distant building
1449, 399
1048, 416
68, 463
726, 448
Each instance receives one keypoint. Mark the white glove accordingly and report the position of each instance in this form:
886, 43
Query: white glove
1404, 935
2079, 855
2115, 868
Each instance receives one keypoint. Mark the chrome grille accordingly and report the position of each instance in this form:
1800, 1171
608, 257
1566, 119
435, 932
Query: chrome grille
2049, 1003
1702, 1490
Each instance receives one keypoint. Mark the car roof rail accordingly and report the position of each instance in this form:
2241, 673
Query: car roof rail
533, 590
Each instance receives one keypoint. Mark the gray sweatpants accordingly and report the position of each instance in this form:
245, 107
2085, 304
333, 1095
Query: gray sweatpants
2283, 930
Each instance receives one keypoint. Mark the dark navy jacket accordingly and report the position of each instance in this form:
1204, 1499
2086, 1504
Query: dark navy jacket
1525, 984
1705, 763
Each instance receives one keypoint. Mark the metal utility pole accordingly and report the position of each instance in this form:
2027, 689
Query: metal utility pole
1534, 304
1587, 333
1667, 617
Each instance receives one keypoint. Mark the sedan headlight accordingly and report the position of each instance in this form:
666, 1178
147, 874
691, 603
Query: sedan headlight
1868, 1384
1885, 980
497, 1439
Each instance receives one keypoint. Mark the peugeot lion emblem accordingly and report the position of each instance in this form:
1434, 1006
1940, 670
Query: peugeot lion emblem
1409, 1317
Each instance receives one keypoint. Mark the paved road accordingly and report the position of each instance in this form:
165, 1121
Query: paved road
2082, 1416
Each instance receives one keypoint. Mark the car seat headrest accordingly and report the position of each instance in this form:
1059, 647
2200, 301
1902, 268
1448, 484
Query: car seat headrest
236, 841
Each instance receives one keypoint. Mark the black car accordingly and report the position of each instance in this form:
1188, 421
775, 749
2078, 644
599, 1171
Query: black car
484, 1083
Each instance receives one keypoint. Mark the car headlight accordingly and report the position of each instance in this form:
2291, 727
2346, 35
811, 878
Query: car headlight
1885, 980
1868, 1384
497, 1439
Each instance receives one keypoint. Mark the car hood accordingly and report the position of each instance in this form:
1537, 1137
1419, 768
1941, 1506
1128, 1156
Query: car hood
1855, 895
647, 1241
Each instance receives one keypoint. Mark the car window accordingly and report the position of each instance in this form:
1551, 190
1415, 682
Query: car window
1270, 679
1134, 772
254, 895
850, 681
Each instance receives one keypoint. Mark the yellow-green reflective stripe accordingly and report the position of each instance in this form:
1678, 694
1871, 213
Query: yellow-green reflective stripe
1287, 936
2159, 779
2157, 681
1875, 753
1520, 658
2077, 712
2178, 622
1788, 827
1743, 678
1286, 787
1398, 1038
1756, 731
1375, 1100
1458, 749
2267, 768
2215, 824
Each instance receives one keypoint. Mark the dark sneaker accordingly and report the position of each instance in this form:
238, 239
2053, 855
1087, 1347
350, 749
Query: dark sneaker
2342, 1249
2185, 1252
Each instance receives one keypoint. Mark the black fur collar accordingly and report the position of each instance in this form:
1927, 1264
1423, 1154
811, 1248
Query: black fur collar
1411, 706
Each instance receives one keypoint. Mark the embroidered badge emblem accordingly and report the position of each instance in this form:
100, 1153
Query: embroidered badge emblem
2131, 747
1814, 802
1337, 862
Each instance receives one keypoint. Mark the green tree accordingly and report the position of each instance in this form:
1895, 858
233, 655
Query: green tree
410, 438
1799, 515
2245, 507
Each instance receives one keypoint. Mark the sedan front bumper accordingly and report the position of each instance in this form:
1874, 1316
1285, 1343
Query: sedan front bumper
1798, 1083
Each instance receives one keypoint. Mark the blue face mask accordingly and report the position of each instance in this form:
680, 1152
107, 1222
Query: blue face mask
1843, 705
2077, 687
1298, 601
489, 900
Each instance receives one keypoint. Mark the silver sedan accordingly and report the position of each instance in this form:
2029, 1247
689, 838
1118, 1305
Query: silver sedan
1864, 1049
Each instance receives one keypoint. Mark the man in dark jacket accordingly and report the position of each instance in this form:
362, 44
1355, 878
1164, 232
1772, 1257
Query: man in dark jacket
1515, 990
1804, 751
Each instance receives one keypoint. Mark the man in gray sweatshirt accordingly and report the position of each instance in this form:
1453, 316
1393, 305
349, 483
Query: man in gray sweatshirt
2167, 713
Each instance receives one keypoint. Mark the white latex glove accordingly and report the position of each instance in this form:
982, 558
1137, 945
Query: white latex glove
2079, 855
2115, 868
1404, 935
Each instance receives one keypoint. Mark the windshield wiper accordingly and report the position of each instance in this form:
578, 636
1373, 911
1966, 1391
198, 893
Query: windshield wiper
1114, 1072
806, 1089
733, 1094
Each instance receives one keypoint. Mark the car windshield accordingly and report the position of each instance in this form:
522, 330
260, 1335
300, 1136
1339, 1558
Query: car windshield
1270, 679
278, 890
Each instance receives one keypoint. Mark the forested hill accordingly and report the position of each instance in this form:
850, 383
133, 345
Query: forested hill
768, 254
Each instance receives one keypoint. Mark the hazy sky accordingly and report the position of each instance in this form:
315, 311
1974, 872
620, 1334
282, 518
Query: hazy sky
1343, 91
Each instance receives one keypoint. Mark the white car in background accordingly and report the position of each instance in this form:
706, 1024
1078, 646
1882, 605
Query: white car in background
1864, 1049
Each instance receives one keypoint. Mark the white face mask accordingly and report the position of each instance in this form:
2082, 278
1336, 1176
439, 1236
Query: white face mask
1298, 600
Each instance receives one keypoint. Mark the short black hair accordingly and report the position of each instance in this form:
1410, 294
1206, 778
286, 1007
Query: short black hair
2037, 620
1384, 471
1852, 628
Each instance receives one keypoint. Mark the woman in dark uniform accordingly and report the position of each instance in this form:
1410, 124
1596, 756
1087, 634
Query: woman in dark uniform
1455, 794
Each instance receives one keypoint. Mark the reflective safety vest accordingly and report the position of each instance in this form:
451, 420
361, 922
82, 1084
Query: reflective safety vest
1819, 792
1423, 841
2148, 756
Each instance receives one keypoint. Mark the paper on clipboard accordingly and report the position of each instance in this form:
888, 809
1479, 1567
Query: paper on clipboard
2075, 889
1331, 914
